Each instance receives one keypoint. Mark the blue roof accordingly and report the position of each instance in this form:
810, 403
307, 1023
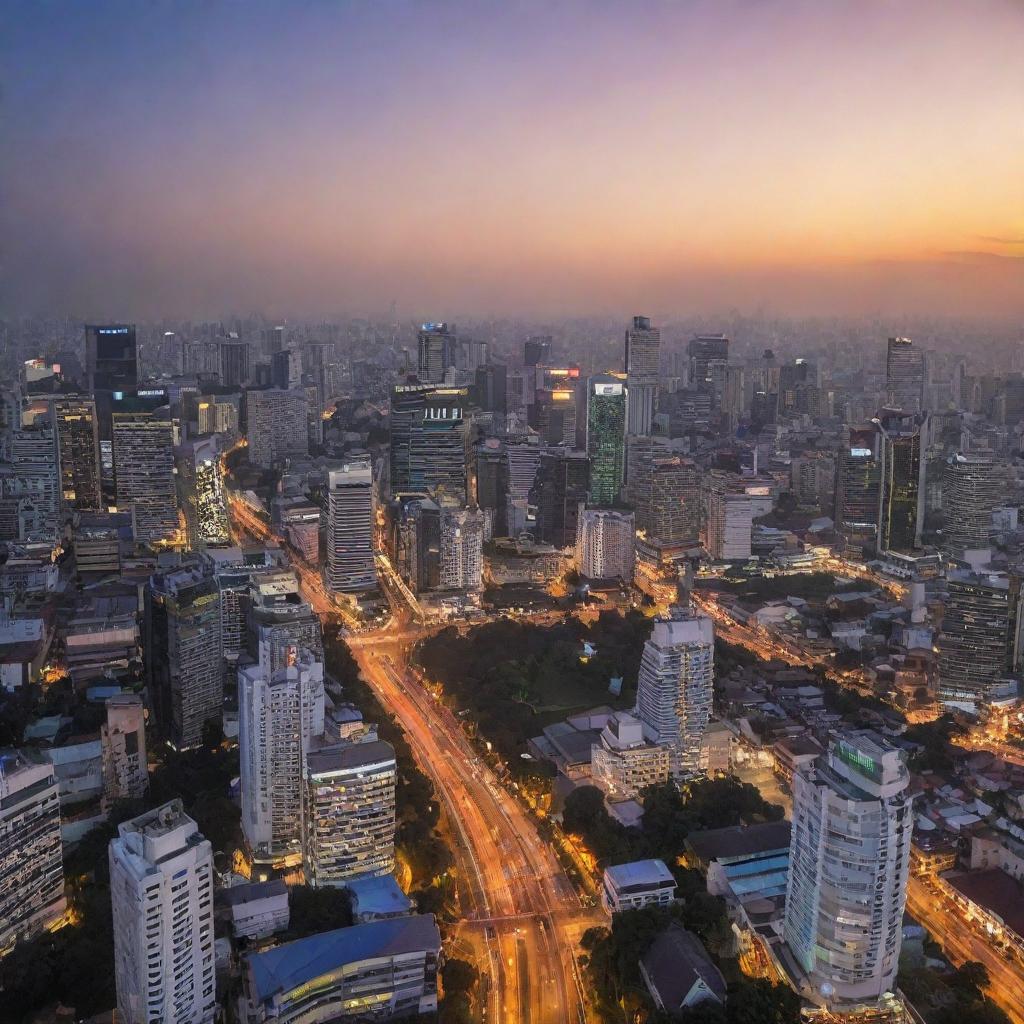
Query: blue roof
761, 866
378, 894
640, 872
284, 968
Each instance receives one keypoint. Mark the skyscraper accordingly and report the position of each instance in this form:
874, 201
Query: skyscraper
729, 523
706, 351
184, 659
849, 861
537, 350
280, 713
901, 492
428, 441
605, 544
904, 376
350, 812
436, 344
276, 425
234, 362
675, 687
971, 489
79, 444
143, 445
350, 562
278, 618
667, 496
161, 891
35, 480
112, 370
461, 550
858, 489
980, 638
31, 868
606, 437
559, 490
643, 346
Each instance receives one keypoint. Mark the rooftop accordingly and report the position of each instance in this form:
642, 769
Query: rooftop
238, 894
639, 872
739, 841
995, 891
349, 755
674, 964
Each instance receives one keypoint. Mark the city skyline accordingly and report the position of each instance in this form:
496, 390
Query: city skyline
804, 159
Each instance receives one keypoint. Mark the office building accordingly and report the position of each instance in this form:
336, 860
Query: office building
279, 715
143, 450
605, 546
666, 491
350, 812
123, 749
708, 356
428, 441
537, 350
553, 413
277, 618
31, 868
559, 490
674, 687
285, 369
350, 565
606, 437
234, 362
161, 892
640, 883
35, 482
217, 417
858, 490
980, 639
492, 391
972, 489
437, 343
78, 441
730, 522
276, 425
901, 490
643, 350
389, 967
849, 861
184, 658
904, 376
623, 762
461, 563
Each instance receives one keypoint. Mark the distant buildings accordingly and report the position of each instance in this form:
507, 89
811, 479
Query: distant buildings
350, 561
436, 345
605, 545
849, 862
31, 867
389, 967
904, 376
276, 425
675, 687
708, 357
161, 888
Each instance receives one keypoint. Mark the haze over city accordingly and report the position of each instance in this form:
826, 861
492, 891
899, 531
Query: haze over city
193, 159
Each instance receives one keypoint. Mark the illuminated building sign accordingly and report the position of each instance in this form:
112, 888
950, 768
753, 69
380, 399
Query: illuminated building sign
860, 453
112, 330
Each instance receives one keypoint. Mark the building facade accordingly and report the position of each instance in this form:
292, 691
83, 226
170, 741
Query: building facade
350, 565
606, 437
123, 749
276, 425
643, 351
605, 547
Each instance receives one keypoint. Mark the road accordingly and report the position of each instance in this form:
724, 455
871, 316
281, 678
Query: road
522, 916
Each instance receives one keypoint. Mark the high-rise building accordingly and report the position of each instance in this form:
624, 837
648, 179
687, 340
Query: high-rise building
605, 546
971, 489
904, 376
31, 869
279, 715
350, 565
643, 349
278, 618
858, 489
675, 687
428, 441
286, 369
606, 437
437, 343
234, 362
143, 449
112, 371
350, 812
184, 659
78, 440
902, 490
554, 413
848, 868
276, 425
624, 763
729, 522
559, 490
706, 352
537, 350
461, 562
980, 640
666, 491
123, 749
492, 391
161, 891
34, 482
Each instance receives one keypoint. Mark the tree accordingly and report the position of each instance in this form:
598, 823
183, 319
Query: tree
584, 810
458, 976
312, 910
759, 1001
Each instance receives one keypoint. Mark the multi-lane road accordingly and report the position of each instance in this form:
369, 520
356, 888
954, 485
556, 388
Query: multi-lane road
522, 918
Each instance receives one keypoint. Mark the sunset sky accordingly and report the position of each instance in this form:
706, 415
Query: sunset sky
486, 157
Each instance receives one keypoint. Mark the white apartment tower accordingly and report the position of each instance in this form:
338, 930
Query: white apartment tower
462, 549
123, 747
350, 812
849, 860
161, 891
729, 524
350, 565
605, 546
279, 715
31, 868
675, 687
